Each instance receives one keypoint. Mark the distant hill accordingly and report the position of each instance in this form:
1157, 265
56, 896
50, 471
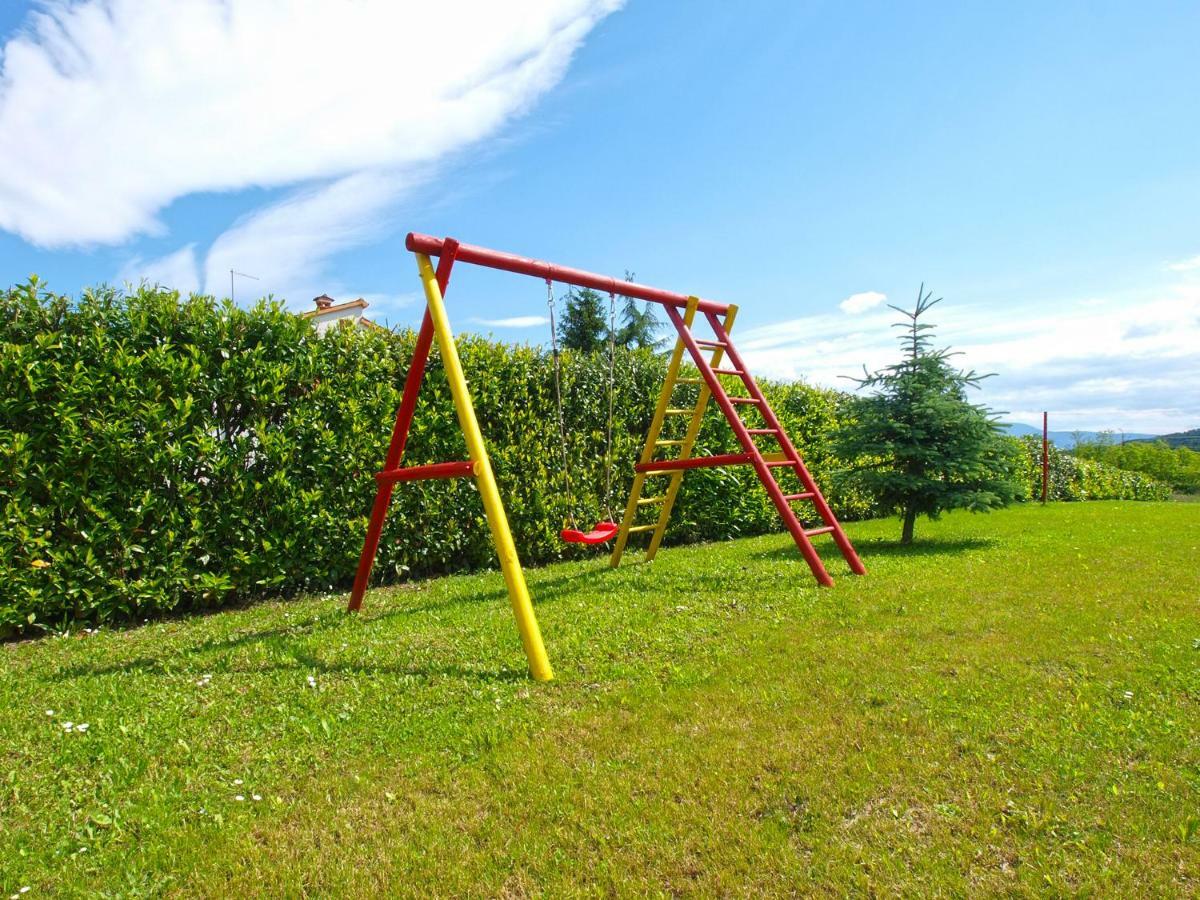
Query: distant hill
1065, 440
1189, 439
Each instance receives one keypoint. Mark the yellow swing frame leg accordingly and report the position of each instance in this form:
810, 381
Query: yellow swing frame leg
510, 565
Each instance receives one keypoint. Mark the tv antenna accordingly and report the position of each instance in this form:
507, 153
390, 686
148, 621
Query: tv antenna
240, 275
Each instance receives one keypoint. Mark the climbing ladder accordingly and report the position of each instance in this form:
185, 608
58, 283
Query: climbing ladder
724, 360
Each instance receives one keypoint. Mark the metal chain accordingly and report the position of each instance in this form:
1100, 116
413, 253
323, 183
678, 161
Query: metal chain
612, 365
562, 421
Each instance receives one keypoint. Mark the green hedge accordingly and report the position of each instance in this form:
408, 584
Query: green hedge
1072, 478
165, 454
162, 454
1176, 466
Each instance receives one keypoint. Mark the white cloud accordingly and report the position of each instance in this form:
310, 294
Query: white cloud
124, 106
1185, 265
1122, 363
383, 306
175, 270
860, 303
287, 243
514, 322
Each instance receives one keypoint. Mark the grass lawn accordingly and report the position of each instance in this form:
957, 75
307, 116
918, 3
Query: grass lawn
1010, 706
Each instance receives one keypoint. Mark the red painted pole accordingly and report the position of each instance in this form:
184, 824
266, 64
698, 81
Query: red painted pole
425, 473
496, 259
404, 417
1045, 456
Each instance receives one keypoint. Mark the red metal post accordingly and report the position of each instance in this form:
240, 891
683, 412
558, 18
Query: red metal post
424, 473
1045, 456
404, 417
495, 259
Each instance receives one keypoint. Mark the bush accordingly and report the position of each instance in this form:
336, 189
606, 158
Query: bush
164, 454
1178, 466
159, 453
1072, 478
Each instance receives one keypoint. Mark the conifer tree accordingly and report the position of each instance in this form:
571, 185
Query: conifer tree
585, 324
639, 326
923, 446
584, 321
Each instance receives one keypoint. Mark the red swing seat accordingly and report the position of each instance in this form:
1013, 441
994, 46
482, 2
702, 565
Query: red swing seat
601, 534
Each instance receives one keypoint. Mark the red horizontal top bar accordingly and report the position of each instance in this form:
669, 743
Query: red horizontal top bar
496, 259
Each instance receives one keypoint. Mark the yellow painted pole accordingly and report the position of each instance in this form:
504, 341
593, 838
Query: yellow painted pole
510, 565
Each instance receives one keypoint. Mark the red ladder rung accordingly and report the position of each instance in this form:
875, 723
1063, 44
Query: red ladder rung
737, 372
749, 400
762, 431
712, 343
777, 463
813, 532
695, 462
791, 498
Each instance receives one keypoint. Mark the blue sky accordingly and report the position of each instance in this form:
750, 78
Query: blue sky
1035, 164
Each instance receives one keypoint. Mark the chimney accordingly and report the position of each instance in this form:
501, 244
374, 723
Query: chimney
323, 302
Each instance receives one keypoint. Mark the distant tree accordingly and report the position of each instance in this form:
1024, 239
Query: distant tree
1179, 467
584, 321
639, 324
924, 447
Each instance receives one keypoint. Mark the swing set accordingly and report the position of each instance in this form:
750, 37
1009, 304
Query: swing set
713, 357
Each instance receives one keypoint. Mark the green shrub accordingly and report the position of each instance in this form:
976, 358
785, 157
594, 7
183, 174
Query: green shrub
1177, 466
1072, 478
159, 454
165, 454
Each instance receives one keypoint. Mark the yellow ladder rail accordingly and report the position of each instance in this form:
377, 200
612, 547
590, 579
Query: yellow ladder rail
686, 444
689, 442
656, 424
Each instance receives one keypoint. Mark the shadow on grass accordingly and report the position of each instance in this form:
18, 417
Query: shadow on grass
878, 548
300, 662
544, 590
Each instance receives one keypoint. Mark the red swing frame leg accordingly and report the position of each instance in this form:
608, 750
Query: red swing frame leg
404, 417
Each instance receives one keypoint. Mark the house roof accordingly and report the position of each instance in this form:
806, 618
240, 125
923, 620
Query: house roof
360, 303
